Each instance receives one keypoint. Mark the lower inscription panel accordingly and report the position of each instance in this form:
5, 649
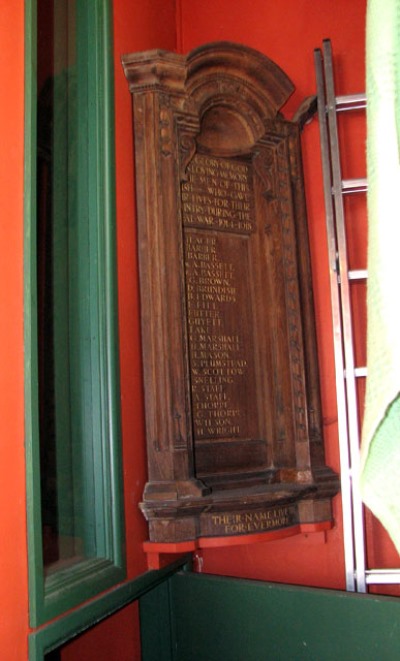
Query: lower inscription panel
247, 522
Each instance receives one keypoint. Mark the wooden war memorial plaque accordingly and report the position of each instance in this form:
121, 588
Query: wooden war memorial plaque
233, 419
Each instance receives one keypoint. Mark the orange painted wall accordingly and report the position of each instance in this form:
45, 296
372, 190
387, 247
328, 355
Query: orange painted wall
13, 558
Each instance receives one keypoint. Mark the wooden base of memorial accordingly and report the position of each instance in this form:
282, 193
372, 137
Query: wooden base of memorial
229, 354
161, 554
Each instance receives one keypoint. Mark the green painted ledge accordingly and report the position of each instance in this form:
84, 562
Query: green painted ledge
56, 633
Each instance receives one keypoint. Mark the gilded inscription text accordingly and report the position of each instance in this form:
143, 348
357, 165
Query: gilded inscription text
248, 522
218, 194
217, 357
218, 220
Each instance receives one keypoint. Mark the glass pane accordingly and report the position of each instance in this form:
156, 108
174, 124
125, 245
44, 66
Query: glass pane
63, 322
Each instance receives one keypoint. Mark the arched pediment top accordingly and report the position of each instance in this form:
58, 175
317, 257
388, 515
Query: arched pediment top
233, 70
232, 91
209, 71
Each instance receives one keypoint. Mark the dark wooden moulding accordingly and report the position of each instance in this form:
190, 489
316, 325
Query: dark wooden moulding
233, 416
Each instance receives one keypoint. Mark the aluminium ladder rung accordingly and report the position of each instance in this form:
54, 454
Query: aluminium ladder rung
357, 372
351, 102
357, 274
382, 576
361, 372
348, 186
354, 186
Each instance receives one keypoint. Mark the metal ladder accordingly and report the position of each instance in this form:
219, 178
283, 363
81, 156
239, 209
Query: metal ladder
341, 280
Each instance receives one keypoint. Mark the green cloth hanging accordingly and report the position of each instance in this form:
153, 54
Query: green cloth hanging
380, 451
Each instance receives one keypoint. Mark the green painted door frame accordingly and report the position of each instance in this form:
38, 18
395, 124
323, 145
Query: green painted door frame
88, 460
53, 635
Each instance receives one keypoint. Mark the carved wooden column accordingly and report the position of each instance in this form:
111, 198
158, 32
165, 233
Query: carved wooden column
230, 368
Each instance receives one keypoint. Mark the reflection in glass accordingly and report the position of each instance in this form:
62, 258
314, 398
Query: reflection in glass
62, 302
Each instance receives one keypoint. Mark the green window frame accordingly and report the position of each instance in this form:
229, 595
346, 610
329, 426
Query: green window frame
103, 564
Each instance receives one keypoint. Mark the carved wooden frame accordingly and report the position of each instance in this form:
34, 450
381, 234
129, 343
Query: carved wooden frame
220, 105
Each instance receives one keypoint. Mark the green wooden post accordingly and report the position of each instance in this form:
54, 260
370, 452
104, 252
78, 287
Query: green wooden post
156, 624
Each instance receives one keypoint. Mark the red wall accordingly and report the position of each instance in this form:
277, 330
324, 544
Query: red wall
148, 24
288, 32
13, 558
137, 26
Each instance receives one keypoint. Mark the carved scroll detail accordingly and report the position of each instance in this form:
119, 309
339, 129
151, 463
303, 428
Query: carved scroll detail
165, 126
292, 291
187, 148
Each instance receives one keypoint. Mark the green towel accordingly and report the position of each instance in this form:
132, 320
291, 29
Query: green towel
380, 450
